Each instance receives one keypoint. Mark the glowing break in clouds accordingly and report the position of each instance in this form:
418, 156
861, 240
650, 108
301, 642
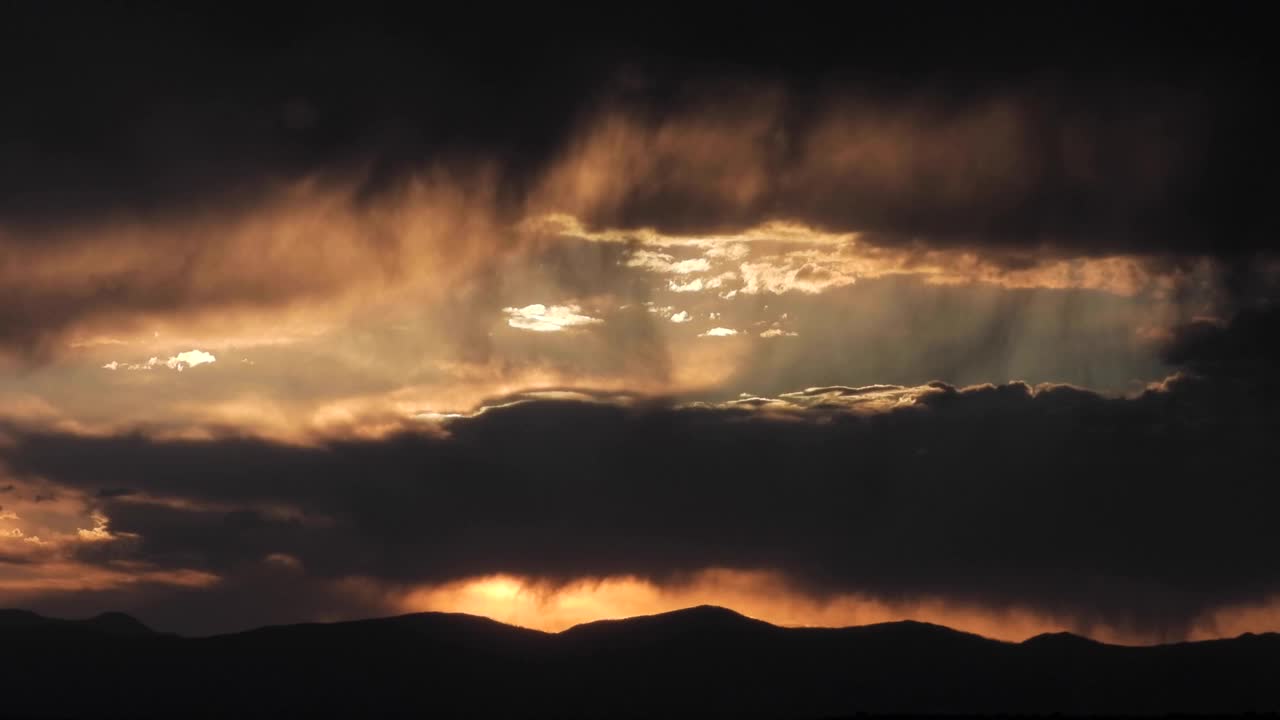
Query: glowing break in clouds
181, 361
541, 318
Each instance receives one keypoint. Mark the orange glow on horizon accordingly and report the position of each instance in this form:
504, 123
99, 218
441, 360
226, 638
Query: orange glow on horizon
765, 596
761, 595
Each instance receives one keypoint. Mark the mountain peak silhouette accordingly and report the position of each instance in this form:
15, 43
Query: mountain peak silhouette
697, 619
1060, 639
118, 623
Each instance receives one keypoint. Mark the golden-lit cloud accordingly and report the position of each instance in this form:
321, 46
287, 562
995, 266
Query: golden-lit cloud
778, 257
44, 533
301, 257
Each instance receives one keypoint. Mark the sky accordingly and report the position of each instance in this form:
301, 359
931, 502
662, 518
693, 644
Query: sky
936, 313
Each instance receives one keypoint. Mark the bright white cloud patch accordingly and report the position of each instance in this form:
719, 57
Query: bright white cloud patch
179, 362
718, 332
190, 358
777, 332
681, 317
542, 318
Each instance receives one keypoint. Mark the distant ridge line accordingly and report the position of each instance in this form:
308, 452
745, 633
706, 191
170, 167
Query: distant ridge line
11, 618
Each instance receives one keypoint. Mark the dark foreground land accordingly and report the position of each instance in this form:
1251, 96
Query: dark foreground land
698, 662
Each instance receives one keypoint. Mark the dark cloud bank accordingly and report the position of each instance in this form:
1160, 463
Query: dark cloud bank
1140, 513
1096, 131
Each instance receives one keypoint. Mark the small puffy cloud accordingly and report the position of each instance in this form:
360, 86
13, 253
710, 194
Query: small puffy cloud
188, 359
181, 361
719, 332
683, 267
694, 285
681, 317
777, 332
542, 318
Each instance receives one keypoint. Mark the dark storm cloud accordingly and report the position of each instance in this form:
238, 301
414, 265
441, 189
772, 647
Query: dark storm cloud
1141, 512
1081, 165
1097, 131
150, 108
1245, 349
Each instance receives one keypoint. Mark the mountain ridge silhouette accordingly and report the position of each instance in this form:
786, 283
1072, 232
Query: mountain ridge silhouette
702, 661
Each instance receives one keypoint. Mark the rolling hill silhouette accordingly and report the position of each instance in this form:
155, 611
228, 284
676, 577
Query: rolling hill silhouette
113, 623
703, 661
